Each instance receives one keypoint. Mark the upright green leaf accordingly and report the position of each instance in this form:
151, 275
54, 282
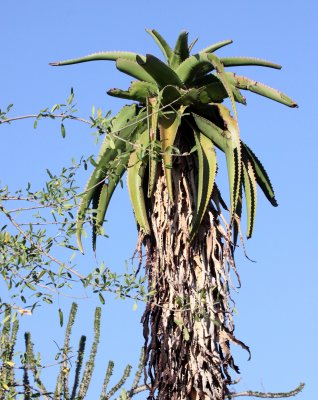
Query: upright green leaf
169, 123
161, 42
181, 50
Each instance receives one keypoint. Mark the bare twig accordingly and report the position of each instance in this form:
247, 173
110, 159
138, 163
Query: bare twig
268, 395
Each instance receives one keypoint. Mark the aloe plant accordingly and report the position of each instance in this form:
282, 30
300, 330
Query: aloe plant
167, 141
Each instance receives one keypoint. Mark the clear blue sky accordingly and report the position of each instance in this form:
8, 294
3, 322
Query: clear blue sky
277, 304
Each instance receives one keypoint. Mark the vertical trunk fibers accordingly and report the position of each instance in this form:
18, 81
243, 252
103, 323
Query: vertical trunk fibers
188, 321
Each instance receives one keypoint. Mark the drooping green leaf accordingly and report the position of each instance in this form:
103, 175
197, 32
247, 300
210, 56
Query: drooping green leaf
227, 140
261, 175
215, 61
207, 168
250, 190
154, 105
123, 126
233, 156
135, 175
244, 83
107, 192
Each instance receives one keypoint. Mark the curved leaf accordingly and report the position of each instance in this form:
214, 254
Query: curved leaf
196, 65
160, 72
103, 55
212, 131
168, 126
105, 195
154, 104
181, 50
245, 83
138, 91
106, 155
228, 141
215, 61
250, 190
243, 61
233, 155
132, 68
135, 175
216, 46
261, 175
161, 42
199, 65
207, 168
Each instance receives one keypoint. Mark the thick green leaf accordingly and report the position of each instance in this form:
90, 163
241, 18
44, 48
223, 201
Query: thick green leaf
168, 126
132, 68
212, 88
227, 140
106, 193
233, 155
215, 61
103, 55
212, 131
199, 65
106, 155
194, 66
244, 83
249, 182
207, 168
154, 104
160, 72
138, 91
135, 175
216, 46
161, 42
242, 61
95, 201
261, 175
237, 219
181, 50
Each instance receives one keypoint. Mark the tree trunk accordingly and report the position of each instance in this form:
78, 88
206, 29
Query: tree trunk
188, 320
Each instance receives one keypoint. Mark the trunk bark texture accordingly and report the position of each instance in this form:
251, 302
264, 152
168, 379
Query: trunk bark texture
188, 322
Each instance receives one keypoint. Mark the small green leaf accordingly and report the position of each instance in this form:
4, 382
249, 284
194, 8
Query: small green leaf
63, 131
111, 143
71, 97
101, 298
135, 306
186, 334
56, 106
30, 286
61, 317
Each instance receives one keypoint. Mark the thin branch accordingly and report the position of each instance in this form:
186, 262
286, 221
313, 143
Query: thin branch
268, 395
45, 115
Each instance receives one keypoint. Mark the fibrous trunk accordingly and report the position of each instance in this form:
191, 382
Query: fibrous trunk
188, 321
